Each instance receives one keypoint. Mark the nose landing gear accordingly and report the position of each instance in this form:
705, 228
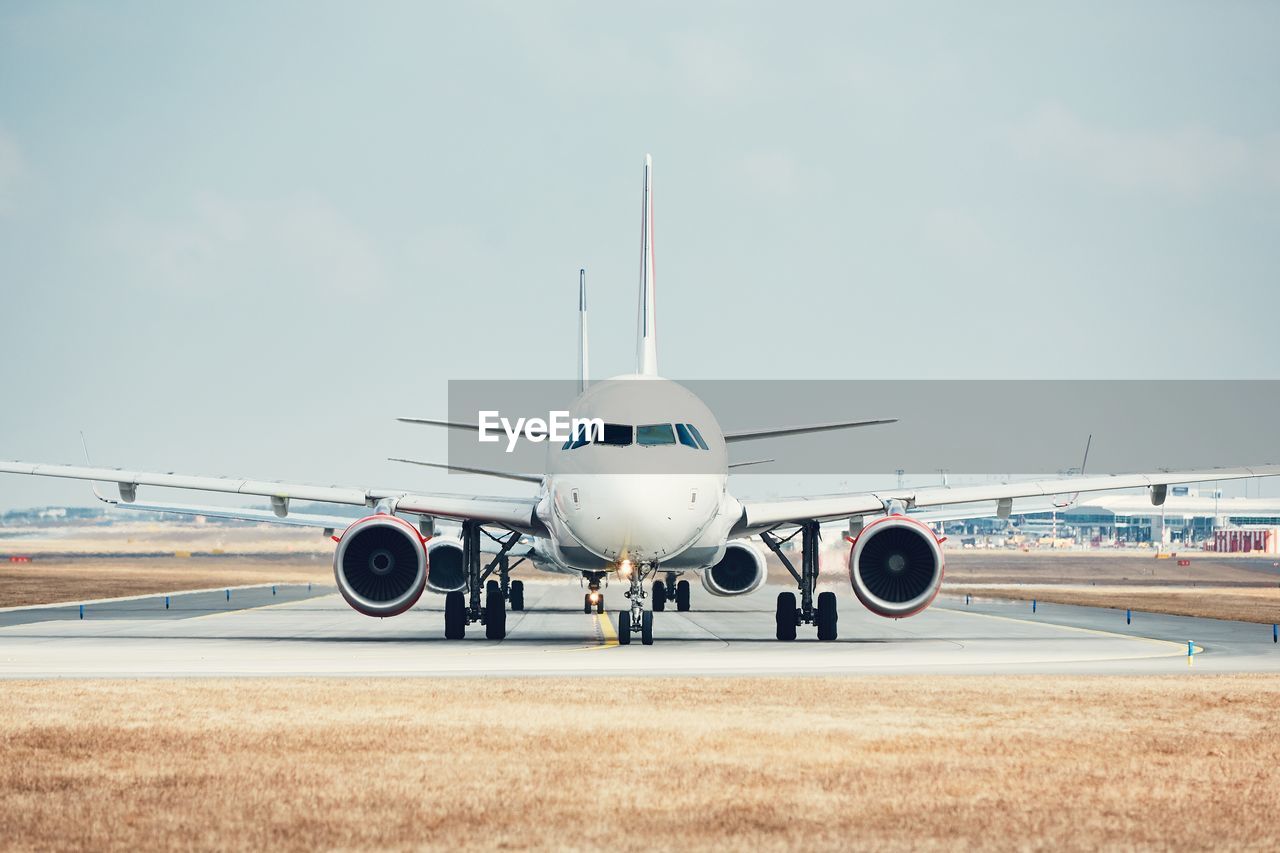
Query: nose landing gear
636, 620
593, 601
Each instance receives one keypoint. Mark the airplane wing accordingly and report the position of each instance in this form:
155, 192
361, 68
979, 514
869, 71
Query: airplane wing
762, 515
515, 513
294, 519
464, 469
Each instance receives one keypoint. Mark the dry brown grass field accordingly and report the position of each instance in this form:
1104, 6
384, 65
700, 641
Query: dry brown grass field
75, 562
1104, 567
1246, 604
1216, 586
158, 538
779, 764
49, 579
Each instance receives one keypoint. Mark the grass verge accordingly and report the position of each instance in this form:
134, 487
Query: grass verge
1245, 604
878, 763
50, 579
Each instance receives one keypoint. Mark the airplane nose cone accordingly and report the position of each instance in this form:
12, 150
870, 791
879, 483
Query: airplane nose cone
641, 518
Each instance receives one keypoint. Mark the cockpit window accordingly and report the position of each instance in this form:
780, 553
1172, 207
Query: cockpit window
655, 434
646, 435
580, 437
618, 435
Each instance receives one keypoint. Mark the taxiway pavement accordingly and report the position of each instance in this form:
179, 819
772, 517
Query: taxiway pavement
292, 630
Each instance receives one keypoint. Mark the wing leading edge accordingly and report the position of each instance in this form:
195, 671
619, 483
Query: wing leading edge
515, 513
762, 515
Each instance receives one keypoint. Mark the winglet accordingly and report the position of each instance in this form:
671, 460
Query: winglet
647, 342
89, 464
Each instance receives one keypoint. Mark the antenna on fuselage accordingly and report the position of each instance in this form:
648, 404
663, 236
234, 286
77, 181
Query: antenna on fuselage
582, 331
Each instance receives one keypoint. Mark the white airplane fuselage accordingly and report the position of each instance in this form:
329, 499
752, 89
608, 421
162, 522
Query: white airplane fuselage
654, 492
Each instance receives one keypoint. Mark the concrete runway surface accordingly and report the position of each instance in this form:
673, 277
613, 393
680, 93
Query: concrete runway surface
294, 630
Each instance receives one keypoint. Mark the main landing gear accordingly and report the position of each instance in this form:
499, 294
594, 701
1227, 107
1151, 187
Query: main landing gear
463, 607
790, 615
670, 590
636, 620
593, 601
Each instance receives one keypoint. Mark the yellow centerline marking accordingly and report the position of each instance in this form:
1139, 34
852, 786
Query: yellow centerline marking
606, 630
608, 636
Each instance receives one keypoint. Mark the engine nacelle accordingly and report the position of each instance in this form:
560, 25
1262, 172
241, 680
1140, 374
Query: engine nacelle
381, 565
741, 570
896, 566
448, 574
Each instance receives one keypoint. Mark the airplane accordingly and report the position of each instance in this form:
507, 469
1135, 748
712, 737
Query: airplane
645, 498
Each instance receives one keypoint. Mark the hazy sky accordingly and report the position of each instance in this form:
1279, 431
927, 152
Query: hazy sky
242, 238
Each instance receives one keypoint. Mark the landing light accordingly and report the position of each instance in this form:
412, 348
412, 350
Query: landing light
595, 597
624, 569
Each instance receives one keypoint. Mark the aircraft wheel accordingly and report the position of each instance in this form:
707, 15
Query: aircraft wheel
517, 595
826, 616
659, 596
600, 604
455, 615
624, 628
682, 596
586, 603
646, 628
495, 612
786, 617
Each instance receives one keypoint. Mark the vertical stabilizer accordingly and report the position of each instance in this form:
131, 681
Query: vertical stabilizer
582, 331
647, 344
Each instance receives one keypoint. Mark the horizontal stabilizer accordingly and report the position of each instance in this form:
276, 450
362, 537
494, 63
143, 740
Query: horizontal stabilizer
752, 462
434, 422
749, 434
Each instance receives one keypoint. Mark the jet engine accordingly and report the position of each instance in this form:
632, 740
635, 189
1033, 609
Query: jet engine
896, 566
447, 571
381, 565
741, 570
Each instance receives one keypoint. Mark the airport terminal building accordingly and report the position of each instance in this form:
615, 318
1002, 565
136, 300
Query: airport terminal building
1187, 518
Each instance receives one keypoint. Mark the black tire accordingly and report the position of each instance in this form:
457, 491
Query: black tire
495, 612
659, 596
624, 628
455, 615
786, 617
682, 596
586, 603
646, 628
827, 616
600, 604
517, 595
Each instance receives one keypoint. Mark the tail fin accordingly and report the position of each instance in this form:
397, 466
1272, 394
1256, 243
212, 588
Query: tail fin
647, 345
582, 331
